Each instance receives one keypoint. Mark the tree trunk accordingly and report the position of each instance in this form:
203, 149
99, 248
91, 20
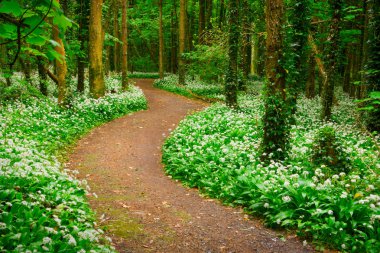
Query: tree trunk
61, 66
124, 37
208, 14
161, 41
83, 38
182, 38
116, 49
42, 74
97, 88
254, 54
310, 83
332, 53
275, 138
233, 44
245, 48
221, 13
201, 25
174, 40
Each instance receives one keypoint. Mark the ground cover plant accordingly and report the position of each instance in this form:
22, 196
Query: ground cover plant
329, 193
43, 207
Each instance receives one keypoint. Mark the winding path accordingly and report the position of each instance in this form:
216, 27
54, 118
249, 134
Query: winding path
146, 211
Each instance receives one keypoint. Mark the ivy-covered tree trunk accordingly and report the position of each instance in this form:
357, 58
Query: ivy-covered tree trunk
161, 41
310, 83
208, 14
275, 136
332, 54
245, 47
254, 54
182, 38
97, 88
124, 37
61, 66
233, 44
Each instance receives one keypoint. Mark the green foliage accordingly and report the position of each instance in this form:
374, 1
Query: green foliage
328, 152
42, 206
217, 151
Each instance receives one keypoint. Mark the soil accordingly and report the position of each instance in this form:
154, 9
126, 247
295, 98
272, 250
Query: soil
142, 209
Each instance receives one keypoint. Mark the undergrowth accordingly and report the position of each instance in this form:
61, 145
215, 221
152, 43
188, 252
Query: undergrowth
43, 208
217, 151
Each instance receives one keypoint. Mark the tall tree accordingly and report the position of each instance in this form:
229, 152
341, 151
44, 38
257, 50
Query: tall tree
84, 10
233, 44
332, 54
61, 65
161, 41
97, 87
275, 138
124, 37
201, 24
182, 38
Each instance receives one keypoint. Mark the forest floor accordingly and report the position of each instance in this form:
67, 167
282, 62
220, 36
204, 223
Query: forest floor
142, 208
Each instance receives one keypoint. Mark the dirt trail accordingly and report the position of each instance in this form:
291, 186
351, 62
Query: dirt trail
146, 211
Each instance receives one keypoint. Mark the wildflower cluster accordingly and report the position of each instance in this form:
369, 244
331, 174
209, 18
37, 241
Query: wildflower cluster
43, 208
217, 150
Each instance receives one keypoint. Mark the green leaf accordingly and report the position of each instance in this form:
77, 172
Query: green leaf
11, 7
375, 94
37, 40
62, 22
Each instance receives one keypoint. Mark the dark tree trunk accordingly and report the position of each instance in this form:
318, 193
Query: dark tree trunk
161, 42
182, 41
201, 25
332, 53
310, 83
42, 74
233, 44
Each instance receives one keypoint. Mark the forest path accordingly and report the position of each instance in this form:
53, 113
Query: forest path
146, 211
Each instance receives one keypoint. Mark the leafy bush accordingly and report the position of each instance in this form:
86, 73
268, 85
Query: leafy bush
43, 207
217, 150
327, 151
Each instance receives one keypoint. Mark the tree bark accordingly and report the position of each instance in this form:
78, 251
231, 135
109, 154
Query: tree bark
97, 88
233, 44
174, 40
61, 66
116, 49
42, 74
83, 38
275, 138
208, 14
124, 37
333, 47
182, 38
310, 83
201, 25
161, 41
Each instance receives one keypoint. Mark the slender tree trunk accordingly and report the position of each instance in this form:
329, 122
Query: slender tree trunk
310, 83
61, 66
275, 138
201, 25
245, 48
233, 44
254, 54
116, 49
83, 39
221, 13
97, 88
208, 14
331, 59
182, 38
161, 41
42, 74
124, 37
174, 39
25, 69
